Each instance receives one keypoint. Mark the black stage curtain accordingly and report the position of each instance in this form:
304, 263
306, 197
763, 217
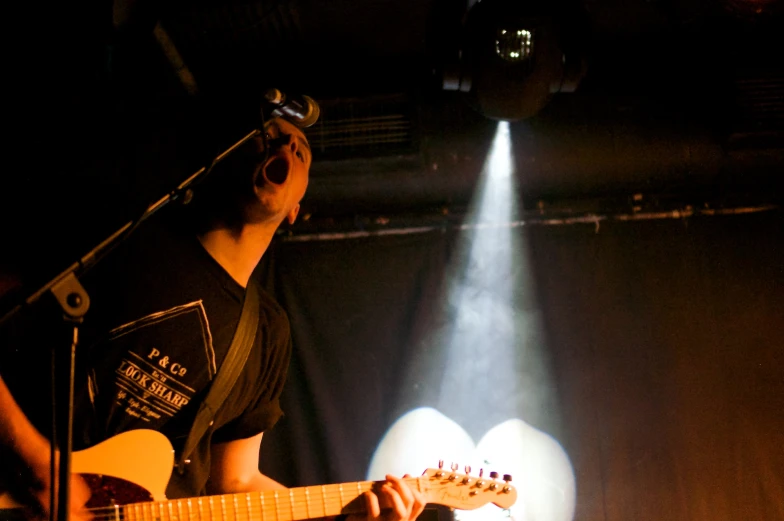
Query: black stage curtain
664, 344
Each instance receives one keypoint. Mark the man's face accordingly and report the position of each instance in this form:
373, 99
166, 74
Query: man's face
280, 183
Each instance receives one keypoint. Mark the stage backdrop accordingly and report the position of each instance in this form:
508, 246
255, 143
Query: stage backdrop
626, 373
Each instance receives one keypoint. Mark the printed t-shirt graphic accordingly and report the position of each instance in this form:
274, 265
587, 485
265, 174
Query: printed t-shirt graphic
162, 361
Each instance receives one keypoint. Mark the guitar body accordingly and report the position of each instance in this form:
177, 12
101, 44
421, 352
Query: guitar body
143, 457
132, 467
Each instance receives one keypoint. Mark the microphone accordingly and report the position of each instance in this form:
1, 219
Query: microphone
300, 110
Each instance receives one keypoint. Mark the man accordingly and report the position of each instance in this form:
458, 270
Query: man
164, 307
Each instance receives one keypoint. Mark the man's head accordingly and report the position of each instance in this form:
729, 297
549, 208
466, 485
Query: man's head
253, 186
280, 182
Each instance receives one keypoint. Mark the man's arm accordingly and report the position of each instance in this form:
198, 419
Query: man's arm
16, 431
34, 452
235, 468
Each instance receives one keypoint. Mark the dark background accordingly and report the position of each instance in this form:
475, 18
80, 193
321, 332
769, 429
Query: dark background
663, 348
664, 334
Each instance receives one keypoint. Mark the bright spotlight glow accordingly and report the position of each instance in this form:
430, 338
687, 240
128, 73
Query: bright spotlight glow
484, 369
540, 469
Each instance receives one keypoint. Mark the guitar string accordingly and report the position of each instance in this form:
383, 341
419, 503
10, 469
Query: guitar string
161, 512
285, 505
285, 502
283, 509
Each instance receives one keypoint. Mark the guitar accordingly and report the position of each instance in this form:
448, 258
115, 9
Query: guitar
128, 474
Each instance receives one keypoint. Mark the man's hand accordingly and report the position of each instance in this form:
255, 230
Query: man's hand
38, 493
396, 502
30, 455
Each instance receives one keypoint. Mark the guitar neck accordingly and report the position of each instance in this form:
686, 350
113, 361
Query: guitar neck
272, 505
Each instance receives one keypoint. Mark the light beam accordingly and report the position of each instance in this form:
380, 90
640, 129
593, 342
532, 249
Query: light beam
495, 398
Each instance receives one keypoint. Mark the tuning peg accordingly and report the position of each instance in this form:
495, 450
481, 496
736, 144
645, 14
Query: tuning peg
480, 482
440, 463
468, 469
494, 475
507, 488
454, 467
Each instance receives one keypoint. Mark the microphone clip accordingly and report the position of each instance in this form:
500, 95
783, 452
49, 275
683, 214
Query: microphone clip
301, 110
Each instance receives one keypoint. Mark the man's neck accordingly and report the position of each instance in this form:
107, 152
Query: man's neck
238, 250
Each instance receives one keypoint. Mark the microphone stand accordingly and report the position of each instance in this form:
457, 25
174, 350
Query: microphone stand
75, 302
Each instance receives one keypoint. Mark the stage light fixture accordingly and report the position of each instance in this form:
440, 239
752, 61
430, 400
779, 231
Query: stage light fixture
514, 55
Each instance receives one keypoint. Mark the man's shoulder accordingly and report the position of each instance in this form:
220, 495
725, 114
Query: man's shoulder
269, 305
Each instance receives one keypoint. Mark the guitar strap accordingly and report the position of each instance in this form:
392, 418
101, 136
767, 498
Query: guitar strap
228, 373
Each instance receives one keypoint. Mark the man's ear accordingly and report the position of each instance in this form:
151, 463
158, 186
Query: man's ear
292, 216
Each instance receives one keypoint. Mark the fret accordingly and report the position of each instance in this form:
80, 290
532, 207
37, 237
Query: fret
117, 512
291, 503
248, 505
307, 503
212, 508
223, 507
261, 497
170, 508
190, 509
236, 506
179, 510
342, 501
160, 507
277, 509
201, 509
324, 500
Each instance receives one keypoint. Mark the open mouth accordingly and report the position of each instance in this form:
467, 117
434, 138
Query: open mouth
277, 171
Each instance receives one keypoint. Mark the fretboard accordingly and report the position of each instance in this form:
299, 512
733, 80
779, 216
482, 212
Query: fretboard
273, 505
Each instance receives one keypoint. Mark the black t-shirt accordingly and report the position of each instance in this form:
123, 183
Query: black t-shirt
162, 316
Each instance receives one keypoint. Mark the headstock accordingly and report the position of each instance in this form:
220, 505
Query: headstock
466, 492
